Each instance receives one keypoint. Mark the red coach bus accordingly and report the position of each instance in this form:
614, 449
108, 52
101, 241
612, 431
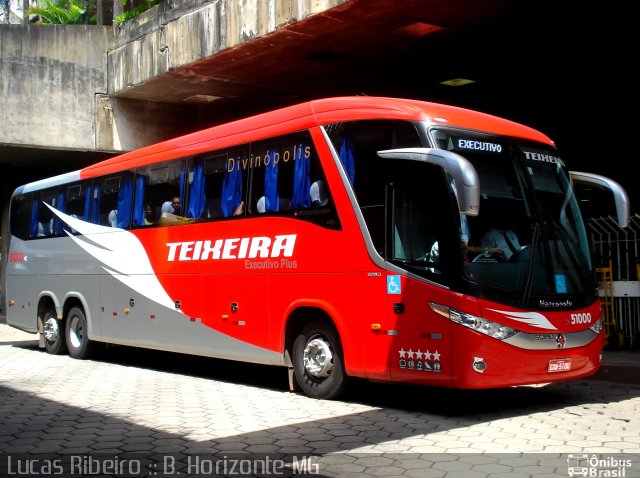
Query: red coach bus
381, 238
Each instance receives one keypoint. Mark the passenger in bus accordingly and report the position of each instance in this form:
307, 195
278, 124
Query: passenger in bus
172, 207
45, 222
319, 194
503, 240
149, 215
260, 206
45, 229
113, 218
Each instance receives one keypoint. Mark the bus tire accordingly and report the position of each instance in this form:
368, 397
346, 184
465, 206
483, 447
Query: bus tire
78, 342
317, 361
54, 333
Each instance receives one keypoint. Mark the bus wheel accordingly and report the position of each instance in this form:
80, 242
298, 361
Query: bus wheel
317, 361
53, 331
77, 337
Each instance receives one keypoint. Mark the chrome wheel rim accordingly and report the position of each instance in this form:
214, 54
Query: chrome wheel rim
51, 330
318, 358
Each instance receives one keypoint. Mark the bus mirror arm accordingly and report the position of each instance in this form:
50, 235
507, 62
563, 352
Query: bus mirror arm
466, 182
619, 194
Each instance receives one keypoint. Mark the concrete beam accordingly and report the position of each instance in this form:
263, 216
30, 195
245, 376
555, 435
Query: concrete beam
49, 76
170, 38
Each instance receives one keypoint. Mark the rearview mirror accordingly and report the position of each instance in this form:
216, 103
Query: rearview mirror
465, 176
601, 182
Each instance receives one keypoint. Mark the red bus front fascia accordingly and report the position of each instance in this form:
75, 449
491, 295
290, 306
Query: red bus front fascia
508, 365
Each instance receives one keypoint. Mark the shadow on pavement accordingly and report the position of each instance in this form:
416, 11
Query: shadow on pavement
478, 404
30, 424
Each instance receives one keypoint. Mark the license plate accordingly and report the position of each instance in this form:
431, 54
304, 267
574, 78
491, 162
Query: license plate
559, 365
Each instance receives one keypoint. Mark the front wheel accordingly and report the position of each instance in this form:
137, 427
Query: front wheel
317, 361
77, 334
53, 331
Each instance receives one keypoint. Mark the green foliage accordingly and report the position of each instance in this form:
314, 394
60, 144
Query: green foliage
145, 5
59, 11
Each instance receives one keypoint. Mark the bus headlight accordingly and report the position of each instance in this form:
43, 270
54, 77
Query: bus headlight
597, 327
484, 326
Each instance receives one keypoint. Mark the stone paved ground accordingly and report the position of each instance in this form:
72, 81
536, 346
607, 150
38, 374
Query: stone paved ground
187, 414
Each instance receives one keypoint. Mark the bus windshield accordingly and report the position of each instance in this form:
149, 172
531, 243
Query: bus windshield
528, 245
529, 241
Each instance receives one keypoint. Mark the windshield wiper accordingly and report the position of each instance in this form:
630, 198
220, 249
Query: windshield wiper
532, 261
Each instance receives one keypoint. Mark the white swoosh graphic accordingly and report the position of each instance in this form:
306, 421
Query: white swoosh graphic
122, 256
534, 319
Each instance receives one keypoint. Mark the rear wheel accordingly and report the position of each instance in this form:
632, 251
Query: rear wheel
53, 331
317, 361
77, 334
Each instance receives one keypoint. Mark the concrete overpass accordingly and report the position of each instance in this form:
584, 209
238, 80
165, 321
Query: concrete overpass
71, 94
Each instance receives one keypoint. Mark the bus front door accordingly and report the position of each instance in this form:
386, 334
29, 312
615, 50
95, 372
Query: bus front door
420, 347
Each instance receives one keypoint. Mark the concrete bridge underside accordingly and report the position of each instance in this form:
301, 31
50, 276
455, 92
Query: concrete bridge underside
70, 95
224, 59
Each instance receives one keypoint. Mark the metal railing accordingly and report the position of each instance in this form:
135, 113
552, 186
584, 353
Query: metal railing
615, 253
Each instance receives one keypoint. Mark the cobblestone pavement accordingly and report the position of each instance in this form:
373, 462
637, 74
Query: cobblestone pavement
176, 413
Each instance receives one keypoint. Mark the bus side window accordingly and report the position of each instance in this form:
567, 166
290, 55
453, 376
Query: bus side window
301, 194
35, 216
216, 184
19, 220
266, 184
205, 186
74, 201
233, 193
155, 188
43, 222
144, 213
106, 202
112, 201
287, 177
